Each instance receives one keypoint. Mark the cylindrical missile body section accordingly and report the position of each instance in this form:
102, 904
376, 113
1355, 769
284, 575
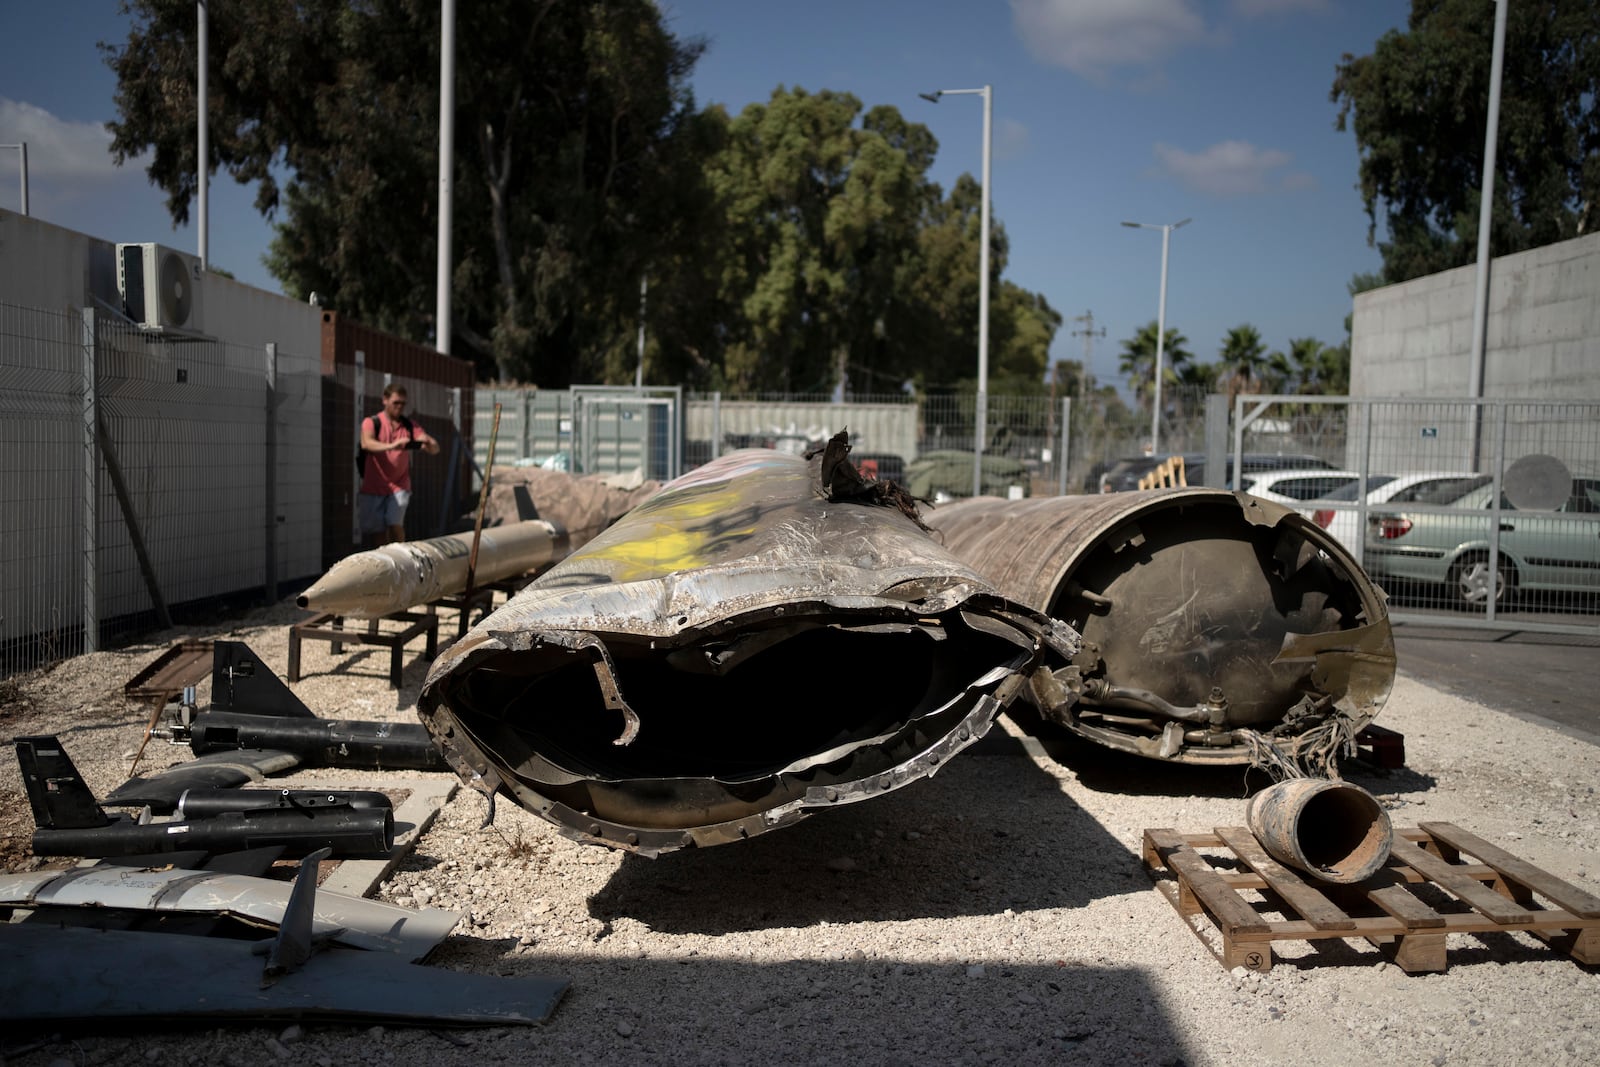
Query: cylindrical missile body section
1201, 611
395, 577
209, 803
382, 746
733, 654
347, 831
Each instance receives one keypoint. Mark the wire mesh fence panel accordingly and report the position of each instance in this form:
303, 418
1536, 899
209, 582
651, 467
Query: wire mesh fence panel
149, 478
181, 437
1468, 512
42, 466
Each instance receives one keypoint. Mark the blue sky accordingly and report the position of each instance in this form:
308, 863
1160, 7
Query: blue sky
1104, 110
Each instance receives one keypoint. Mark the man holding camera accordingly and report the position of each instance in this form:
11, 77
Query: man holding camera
387, 439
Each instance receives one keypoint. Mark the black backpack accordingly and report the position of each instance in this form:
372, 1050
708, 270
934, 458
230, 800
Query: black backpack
361, 453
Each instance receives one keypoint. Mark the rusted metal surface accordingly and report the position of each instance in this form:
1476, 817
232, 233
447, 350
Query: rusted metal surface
1332, 830
184, 664
698, 673
1202, 611
395, 577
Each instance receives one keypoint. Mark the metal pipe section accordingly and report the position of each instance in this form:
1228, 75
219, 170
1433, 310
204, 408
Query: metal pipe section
1332, 830
395, 577
1196, 606
696, 674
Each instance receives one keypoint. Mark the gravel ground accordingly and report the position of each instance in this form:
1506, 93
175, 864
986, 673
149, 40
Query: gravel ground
994, 913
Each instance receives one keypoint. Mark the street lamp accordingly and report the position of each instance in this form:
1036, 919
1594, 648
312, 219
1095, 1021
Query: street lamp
1161, 324
980, 428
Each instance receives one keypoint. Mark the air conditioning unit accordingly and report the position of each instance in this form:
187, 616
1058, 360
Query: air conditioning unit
160, 286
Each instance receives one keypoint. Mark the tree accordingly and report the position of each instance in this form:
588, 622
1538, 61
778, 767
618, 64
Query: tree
820, 216
1241, 359
576, 161
1419, 107
1138, 360
1310, 367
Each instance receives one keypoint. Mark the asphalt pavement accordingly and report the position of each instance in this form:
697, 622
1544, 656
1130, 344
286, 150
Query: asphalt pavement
1551, 679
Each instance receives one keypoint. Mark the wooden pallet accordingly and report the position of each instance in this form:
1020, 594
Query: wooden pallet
1498, 893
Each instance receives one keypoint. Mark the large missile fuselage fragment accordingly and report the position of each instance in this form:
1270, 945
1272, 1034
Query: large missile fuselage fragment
733, 654
1182, 597
395, 577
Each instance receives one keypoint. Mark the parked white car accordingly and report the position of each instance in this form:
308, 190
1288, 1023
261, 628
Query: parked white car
1293, 487
1417, 486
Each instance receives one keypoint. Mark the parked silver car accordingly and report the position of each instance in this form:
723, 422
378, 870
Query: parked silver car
1557, 550
1410, 488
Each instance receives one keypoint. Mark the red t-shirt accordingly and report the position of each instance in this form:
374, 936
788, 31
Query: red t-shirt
388, 472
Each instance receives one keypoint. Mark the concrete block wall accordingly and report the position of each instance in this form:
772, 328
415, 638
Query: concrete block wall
1543, 339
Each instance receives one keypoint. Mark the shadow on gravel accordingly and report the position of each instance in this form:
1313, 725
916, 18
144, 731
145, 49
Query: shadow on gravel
877, 1011
983, 835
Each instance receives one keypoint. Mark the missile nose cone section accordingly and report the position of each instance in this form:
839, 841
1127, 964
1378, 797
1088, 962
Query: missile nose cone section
363, 585
395, 577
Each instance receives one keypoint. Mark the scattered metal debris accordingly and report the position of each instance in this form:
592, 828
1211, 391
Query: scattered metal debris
56, 974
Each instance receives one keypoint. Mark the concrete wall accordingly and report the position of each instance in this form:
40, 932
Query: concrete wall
1543, 339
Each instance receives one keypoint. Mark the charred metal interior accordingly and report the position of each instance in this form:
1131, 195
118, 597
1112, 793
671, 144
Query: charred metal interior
1204, 614
730, 726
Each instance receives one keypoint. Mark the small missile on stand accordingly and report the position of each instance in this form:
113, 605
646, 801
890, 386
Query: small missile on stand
396, 577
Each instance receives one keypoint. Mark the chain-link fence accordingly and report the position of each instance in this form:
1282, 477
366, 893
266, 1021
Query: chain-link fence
1479, 513
147, 477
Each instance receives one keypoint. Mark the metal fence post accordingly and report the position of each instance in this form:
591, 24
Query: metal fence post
1238, 443
91, 489
527, 397
1494, 503
716, 424
270, 497
1066, 440
1217, 440
1363, 462
360, 398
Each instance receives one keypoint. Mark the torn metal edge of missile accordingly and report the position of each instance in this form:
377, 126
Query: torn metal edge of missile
739, 556
1068, 555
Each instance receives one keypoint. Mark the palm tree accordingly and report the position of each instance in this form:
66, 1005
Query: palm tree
1243, 360
1138, 360
1312, 367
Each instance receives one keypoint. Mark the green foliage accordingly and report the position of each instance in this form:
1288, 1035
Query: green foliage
574, 151
795, 245
1138, 360
1241, 361
1419, 107
1310, 367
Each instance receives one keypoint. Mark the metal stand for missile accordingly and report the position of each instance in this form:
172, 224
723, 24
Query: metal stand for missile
481, 601
326, 626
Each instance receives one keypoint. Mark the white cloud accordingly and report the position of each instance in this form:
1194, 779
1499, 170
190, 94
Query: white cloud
1094, 37
1230, 168
60, 149
1010, 139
